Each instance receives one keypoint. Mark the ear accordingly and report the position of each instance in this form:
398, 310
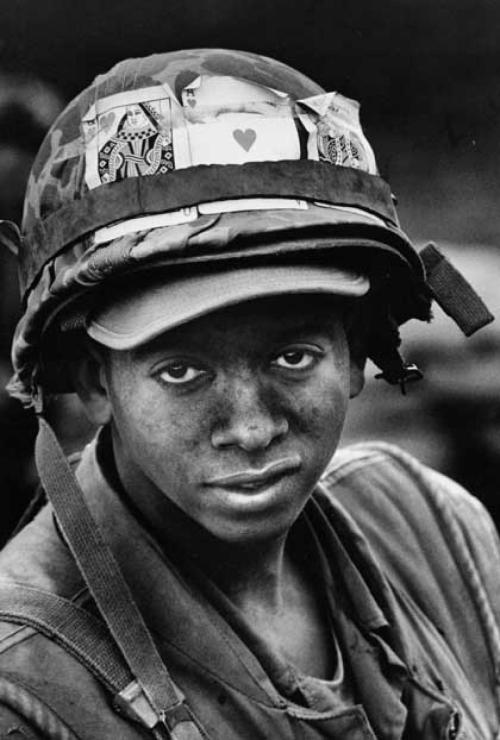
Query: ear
89, 380
356, 375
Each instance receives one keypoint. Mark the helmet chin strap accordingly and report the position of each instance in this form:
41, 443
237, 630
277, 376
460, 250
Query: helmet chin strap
151, 697
456, 297
400, 373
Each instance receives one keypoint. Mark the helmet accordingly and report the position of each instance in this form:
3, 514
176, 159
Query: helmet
191, 158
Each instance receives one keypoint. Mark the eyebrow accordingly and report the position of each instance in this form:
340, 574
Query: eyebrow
278, 334
305, 326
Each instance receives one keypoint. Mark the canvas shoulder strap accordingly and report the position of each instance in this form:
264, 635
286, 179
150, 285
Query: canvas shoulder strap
70, 626
151, 696
82, 635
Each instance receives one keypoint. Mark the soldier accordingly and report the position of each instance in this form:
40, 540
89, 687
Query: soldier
204, 569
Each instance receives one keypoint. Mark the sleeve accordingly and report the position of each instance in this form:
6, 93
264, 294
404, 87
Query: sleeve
431, 537
474, 538
471, 538
15, 727
24, 716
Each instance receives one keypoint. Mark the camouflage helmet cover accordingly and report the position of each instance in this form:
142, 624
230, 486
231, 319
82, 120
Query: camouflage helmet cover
146, 166
57, 176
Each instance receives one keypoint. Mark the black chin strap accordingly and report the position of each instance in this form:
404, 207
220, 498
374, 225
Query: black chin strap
152, 698
457, 298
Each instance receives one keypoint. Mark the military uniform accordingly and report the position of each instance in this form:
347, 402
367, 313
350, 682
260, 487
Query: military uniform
423, 666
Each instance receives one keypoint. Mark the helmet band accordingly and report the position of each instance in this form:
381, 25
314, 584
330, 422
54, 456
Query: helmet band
137, 196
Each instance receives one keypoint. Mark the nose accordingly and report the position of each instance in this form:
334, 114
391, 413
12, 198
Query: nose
248, 417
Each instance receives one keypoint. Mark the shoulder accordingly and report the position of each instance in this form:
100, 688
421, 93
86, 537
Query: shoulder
432, 539
38, 557
49, 684
392, 483
23, 714
38, 678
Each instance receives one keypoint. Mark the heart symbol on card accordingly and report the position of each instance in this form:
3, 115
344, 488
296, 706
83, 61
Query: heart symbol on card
191, 102
246, 138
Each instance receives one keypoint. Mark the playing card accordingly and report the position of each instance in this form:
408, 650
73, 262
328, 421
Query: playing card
339, 137
132, 134
209, 96
232, 122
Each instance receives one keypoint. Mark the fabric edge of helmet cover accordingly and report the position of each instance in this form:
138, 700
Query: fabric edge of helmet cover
75, 267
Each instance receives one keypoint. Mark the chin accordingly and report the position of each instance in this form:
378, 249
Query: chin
245, 529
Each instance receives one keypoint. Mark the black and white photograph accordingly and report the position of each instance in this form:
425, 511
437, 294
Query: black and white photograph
250, 370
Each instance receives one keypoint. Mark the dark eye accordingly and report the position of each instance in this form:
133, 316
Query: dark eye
297, 359
179, 372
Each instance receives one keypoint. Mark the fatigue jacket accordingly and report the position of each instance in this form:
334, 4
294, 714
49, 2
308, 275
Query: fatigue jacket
409, 562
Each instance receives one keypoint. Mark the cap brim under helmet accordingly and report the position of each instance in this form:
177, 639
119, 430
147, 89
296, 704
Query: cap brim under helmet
135, 316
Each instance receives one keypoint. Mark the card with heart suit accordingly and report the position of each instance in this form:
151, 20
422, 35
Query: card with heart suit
246, 123
208, 97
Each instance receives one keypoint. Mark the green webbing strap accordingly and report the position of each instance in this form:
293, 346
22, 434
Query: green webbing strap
74, 628
111, 593
83, 636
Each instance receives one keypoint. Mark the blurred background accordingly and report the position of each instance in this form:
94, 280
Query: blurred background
428, 76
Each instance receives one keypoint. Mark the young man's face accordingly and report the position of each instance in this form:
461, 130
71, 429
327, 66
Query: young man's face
234, 416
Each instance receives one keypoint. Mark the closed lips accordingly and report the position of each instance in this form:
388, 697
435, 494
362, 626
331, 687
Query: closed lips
254, 478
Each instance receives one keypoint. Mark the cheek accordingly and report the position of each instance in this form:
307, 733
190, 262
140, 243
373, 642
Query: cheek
154, 430
321, 411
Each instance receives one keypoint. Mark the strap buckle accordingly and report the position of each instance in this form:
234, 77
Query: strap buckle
134, 704
177, 721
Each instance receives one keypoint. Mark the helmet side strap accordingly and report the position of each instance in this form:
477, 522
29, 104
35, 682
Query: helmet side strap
453, 292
